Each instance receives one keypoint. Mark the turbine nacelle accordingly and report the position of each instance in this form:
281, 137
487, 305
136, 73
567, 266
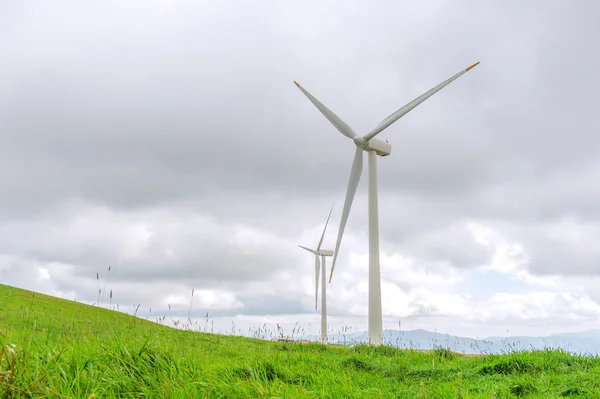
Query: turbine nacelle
318, 252
324, 252
379, 146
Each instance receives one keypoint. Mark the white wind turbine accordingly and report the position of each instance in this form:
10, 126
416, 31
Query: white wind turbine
374, 147
322, 253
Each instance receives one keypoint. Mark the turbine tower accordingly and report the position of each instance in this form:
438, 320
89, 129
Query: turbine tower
322, 253
374, 147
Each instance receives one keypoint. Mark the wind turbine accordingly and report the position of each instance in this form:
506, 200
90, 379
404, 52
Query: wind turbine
374, 147
322, 253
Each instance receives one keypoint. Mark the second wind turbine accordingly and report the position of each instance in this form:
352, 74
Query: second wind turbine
322, 253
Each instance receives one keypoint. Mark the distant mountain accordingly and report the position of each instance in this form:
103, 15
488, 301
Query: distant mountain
586, 342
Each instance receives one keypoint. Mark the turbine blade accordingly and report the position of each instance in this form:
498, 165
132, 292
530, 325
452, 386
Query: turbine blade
325, 228
317, 272
355, 172
333, 118
413, 104
312, 251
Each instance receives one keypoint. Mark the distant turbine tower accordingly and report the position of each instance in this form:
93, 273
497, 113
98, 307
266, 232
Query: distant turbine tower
374, 147
322, 253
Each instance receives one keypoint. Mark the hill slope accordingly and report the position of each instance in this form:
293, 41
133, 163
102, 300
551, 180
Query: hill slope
62, 349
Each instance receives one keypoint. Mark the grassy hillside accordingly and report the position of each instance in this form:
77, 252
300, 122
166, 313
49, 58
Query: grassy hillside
62, 349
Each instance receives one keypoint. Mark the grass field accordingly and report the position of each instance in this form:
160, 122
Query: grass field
56, 348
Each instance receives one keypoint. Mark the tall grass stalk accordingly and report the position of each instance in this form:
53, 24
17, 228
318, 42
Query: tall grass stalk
105, 282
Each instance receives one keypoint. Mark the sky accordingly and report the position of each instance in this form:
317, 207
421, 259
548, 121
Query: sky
167, 141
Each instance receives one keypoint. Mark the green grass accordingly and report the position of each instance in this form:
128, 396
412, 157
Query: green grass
56, 348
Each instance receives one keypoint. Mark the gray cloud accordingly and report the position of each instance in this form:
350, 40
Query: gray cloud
152, 246
564, 247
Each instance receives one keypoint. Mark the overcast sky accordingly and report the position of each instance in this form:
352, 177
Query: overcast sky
166, 139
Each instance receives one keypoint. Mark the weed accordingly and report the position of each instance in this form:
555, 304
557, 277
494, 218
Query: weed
443, 353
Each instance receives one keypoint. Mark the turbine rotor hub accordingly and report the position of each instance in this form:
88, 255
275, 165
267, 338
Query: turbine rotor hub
360, 142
